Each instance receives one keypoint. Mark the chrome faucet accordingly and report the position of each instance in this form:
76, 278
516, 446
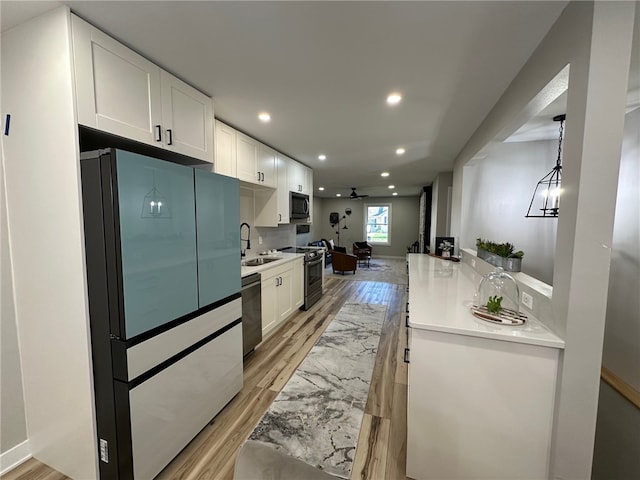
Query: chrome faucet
248, 239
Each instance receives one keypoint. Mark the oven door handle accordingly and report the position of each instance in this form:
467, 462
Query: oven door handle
313, 263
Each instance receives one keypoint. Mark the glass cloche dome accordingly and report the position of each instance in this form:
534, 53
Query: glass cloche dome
497, 299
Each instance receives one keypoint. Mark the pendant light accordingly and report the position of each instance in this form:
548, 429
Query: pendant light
545, 202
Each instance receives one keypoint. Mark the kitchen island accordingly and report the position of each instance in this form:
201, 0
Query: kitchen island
480, 395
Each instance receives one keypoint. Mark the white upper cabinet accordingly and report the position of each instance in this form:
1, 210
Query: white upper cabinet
118, 91
255, 162
225, 141
300, 178
187, 118
247, 158
121, 92
267, 166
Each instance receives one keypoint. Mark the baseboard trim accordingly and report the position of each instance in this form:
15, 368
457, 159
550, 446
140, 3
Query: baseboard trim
14, 457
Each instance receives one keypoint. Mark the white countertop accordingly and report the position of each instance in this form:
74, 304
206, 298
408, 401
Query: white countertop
282, 257
440, 294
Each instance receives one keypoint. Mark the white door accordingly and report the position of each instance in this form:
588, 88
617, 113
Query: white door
284, 295
297, 284
283, 190
296, 176
246, 156
187, 119
268, 292
118, 91
225, 141
267, 166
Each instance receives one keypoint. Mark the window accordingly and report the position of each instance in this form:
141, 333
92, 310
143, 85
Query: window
377, 226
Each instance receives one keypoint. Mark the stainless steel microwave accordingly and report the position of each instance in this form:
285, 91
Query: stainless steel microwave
299, 205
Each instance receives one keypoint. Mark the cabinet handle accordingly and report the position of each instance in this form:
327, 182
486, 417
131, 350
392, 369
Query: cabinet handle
407, 309
406, 356
262, 176
258, 176
406, 321
170, 136
279, 217
158, 133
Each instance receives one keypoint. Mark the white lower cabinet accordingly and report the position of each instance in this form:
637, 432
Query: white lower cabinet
478, 407
281, 293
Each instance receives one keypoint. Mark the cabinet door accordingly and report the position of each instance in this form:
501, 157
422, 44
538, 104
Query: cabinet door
218, 227
296, 176
157, 241
297, 284
284, 295
187, 119
225, 142
267, 166
118, 91
283, 190
307, 186
246, 157
268, 291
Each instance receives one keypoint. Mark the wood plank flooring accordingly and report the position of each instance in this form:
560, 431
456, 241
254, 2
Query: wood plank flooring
381, 450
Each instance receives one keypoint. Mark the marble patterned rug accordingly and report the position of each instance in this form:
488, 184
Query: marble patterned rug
316, 418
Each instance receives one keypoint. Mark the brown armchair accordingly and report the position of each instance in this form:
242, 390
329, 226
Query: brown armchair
362, 250
343, 262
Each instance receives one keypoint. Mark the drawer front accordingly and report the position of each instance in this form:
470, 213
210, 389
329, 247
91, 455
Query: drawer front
170, 408
156, 350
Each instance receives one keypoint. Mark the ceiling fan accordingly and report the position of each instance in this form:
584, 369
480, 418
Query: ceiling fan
354, 195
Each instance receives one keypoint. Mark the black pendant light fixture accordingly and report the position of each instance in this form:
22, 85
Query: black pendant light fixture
545, 202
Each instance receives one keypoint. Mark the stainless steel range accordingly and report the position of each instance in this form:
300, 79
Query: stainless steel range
313, 269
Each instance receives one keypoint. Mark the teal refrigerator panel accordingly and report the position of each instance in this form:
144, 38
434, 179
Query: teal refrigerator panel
158, 241
218, 233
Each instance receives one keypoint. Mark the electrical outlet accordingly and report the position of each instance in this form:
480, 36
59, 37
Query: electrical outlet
259, 240
527, 300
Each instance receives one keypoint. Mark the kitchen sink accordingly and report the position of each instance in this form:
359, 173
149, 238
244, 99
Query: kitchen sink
254, 262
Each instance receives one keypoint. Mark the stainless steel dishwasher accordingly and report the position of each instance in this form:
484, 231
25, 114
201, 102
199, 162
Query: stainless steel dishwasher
251, 313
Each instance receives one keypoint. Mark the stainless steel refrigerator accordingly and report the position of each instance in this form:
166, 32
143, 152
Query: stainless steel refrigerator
163, 269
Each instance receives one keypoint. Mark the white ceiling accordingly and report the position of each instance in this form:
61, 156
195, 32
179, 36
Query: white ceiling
323, 71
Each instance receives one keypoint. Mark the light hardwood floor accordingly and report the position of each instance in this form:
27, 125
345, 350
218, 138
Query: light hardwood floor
381, 450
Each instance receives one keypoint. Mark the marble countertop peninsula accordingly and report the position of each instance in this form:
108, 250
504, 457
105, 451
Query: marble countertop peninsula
440, 294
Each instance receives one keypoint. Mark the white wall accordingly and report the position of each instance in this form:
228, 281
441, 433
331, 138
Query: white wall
441, 208
12, 417
617, 432
405, 213
496, 197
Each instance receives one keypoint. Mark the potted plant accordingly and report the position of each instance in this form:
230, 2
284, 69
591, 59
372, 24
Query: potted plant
500, 254
446, 247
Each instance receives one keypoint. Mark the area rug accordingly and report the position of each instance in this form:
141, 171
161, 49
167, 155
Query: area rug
389, 270
316, 418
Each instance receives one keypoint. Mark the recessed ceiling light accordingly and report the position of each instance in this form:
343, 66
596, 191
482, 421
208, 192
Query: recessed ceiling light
392, 186
321, 189
400, 151
384, 174
322, 157
395, 194
264, 117
394, 98
338, 194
